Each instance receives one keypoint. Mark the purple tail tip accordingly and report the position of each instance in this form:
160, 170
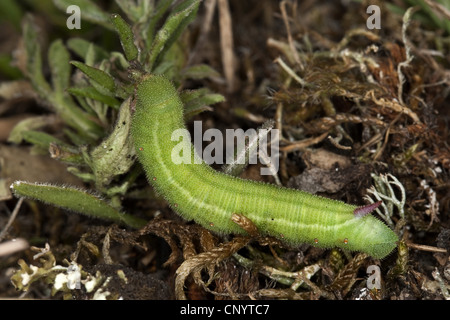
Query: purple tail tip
362, 211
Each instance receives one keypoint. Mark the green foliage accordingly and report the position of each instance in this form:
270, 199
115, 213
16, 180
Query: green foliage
94, 98
102, 78
76, 200
197, 101
10, 10
56, 96
427, 14
182, 15
115, 155
126, 37
91, 12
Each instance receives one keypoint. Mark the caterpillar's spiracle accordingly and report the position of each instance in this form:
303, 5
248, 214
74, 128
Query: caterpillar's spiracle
198, 192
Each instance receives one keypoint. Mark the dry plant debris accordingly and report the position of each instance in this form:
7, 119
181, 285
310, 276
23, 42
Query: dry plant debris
353, 105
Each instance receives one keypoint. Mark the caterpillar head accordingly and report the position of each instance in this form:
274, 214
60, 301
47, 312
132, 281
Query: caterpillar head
370, 235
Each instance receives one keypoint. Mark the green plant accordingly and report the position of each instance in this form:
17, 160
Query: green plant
95, 104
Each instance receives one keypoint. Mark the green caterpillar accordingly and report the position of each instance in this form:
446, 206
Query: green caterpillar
198, 192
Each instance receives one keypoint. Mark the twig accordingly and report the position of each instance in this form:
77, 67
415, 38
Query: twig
290, 72
12, 246
386, 137
438, 8
11, 219
289, 35
335, 142
423, 247
304, 143
209, 6
409, 57
226, 43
